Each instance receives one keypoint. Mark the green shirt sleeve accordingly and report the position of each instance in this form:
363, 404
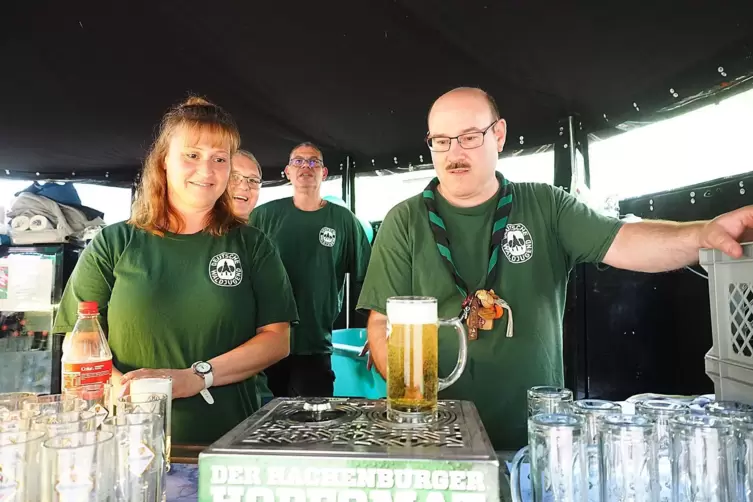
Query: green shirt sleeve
389, 271
584, 234
92, 280
256, 218
271, 285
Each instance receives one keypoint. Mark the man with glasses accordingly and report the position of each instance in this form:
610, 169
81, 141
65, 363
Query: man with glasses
244, 183
319, 243
496, 253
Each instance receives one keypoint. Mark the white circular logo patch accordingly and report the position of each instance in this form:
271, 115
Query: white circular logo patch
225, 270
517, 243
327, 236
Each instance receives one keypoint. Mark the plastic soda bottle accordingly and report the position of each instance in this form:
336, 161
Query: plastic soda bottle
86, 358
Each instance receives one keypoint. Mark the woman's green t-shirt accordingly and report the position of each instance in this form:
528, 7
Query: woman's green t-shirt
169, 301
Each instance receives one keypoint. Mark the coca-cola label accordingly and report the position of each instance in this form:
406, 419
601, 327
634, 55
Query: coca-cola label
77, 374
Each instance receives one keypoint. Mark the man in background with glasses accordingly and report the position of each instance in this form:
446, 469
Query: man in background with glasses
244, 183
319, 243
498, 254
244, 186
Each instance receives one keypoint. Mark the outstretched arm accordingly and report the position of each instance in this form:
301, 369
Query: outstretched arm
660, 246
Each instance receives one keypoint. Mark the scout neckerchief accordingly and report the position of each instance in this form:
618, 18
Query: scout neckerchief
480, 308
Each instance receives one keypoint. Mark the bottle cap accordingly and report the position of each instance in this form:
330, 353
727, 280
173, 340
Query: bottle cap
88, 308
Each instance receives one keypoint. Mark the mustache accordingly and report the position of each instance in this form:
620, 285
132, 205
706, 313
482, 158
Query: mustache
457, 165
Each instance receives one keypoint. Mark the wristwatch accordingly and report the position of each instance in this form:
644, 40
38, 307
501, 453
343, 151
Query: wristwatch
204, 370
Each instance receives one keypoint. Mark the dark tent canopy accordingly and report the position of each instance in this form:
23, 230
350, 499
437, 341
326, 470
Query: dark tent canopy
84, 82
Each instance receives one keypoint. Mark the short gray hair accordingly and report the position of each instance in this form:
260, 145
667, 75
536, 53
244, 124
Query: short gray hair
250, 156
308, 144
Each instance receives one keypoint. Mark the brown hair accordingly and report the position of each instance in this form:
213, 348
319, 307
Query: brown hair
152, 210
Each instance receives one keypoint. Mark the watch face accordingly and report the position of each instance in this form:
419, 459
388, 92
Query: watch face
203, 367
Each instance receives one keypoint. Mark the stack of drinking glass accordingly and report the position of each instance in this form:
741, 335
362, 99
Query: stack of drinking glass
85, 445
591, 450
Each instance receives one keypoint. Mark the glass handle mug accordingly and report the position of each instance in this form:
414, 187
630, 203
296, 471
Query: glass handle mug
557, 453
462, 352
413, 379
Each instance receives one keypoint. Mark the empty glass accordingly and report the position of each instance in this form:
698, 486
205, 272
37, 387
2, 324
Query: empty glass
744, 463
628, 458
703, 450
65, 423
12, 401
545, 399
149, 403
19, 465
162, 385
97, 397
558, 461
730, 409
139, 443
14, 421
592, 410
79, 467
662, 411
54, 404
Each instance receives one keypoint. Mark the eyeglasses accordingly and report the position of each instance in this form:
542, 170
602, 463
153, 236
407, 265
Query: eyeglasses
467, 140
311, 163
237, 178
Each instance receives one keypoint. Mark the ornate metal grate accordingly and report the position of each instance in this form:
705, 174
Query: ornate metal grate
364, 426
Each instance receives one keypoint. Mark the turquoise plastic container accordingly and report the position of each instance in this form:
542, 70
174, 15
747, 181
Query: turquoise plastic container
352, 379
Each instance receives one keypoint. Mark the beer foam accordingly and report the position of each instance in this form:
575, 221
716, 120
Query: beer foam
406, 312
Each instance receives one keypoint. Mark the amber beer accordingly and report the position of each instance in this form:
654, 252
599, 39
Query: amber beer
413, 381
412, 367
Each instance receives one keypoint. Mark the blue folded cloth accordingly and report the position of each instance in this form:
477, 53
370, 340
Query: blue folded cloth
183, 483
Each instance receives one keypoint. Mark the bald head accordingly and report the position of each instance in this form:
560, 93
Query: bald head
468, 134
464, 96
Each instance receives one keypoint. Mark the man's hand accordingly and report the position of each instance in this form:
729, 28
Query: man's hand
377, 342
726, 231
186, 383
366, 352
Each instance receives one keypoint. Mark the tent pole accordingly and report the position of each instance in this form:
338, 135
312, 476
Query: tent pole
349, 202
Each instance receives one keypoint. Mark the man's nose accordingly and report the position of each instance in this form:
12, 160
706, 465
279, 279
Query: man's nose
455, 149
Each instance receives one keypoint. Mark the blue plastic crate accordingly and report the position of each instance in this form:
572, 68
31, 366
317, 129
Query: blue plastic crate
352, 379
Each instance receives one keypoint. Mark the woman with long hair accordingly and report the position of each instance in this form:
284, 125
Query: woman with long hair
185, 282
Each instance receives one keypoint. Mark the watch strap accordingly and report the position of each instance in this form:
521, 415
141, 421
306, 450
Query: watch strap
208, 378
207, 396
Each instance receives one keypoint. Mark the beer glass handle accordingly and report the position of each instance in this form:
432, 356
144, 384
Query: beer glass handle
517, 496
462, 354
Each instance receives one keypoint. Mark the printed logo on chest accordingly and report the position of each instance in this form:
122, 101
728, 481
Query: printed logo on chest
517, 243
327, 237
225, 270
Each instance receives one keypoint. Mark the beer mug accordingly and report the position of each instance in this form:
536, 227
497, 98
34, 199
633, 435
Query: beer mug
413, 358
592, 410
548, 399
703, 453
557, 452
629, 465
662, 412
744, 461
731, 410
